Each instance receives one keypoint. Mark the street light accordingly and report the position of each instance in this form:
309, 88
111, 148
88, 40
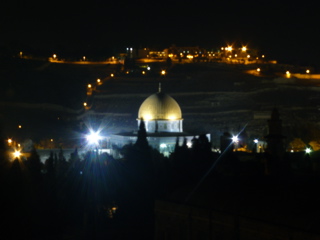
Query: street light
93, 138
235, 139
16, 154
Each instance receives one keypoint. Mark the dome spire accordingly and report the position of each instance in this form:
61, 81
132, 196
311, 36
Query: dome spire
159, 87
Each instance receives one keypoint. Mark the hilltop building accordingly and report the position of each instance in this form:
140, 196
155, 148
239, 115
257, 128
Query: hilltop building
164, 124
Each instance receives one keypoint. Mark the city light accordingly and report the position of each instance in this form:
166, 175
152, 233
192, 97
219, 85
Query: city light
16, 154
308, 150
256, 141
93, 138
243, 49
163, 72
235, 139
163, 145
287, 73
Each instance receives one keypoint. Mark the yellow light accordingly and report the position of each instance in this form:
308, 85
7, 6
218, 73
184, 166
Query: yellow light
9, 141
89, 85
19, 126
262, 56
222, 48
189, 56
171, 117
163, 72
16, 154
85, 104
243, 49
229, 48
307, 71
287, 72
147, 117
54, 56
84, 58
236, 55
98, 80
258, 70
248, 56
51, 140
170, 55
143, 72
112, 75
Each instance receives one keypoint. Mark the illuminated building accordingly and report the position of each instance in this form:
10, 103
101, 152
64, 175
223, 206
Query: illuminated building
164, 124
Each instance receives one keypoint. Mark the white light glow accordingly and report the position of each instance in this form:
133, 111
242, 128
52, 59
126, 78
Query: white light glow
163, 145
93, 138
235, 139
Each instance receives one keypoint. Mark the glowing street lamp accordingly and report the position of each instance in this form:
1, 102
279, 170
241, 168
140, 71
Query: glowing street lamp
258, 69
16, 154
308, 150
235, 139
288, 74
307, 71
163, 72
93, 138
243, 49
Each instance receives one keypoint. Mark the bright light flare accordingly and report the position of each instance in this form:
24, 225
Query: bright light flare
308, 150
93, 138
235, 139
16, 154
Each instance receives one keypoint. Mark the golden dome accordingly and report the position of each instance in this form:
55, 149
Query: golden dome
159, 106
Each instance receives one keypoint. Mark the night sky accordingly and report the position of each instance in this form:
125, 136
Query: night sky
280, 29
